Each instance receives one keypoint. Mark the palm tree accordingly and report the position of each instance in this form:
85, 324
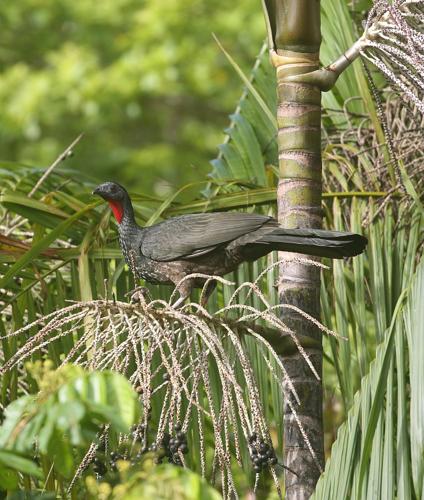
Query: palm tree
371, 301
294, 36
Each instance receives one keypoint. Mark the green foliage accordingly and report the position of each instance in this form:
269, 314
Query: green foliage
10, 464
350, 95
113, 69
68, 411
370, 457
149, 481
146, 84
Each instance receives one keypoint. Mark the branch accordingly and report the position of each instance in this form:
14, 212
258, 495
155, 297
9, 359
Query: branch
325, 78
63, 156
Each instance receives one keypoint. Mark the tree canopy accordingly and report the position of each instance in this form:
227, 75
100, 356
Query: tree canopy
145, 82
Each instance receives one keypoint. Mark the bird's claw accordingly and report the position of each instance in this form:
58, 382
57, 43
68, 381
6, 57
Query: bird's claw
179, 303
139, 294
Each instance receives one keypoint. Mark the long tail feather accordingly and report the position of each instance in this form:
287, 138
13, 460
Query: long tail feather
321, 243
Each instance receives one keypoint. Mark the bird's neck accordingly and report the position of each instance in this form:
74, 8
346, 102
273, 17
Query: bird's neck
123, 212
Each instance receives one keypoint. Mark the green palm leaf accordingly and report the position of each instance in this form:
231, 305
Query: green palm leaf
352, 470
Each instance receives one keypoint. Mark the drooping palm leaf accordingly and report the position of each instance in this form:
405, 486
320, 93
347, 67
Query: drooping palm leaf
371, 457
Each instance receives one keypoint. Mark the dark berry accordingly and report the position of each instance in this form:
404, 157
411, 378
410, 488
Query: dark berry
253, 452
177, 427
257, 461
181, 436
99, 467
139, 390
257, 469
263, 447
253, 437
166, 377
153, 447
273, 461
166, 438
184, 448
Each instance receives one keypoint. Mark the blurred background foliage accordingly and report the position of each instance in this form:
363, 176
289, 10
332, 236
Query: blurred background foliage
144, 80
151, 89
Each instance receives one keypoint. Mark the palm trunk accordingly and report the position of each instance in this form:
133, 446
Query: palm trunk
295, 31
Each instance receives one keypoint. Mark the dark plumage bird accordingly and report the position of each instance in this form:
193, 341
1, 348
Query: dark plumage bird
212, 243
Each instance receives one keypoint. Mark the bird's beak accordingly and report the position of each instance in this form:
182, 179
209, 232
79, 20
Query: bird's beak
96, 191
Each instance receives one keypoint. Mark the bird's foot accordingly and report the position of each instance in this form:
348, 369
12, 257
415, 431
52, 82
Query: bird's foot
139, 294
179, 303
207, 292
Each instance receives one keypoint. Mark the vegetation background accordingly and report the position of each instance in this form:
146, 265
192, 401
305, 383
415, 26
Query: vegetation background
153, 93
144, 80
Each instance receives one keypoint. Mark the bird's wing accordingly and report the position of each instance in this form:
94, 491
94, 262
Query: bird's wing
190, 236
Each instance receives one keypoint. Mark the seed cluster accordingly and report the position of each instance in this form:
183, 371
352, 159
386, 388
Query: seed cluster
114, 457
171, 446
261, 453
138, 432
99, 467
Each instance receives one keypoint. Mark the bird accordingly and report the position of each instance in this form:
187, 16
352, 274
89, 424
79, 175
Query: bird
212, 244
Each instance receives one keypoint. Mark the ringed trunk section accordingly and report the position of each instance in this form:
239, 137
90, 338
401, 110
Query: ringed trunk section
297, 41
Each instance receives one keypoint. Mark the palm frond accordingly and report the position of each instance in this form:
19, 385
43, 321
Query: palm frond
364, 462
188, 366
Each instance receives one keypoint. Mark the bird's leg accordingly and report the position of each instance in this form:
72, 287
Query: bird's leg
178, 303
207, 292
139, 292
184, 288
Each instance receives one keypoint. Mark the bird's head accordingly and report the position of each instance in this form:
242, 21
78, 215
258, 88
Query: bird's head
116, 196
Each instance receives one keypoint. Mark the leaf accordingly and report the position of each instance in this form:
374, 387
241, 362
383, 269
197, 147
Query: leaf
248, 147
42, 245
12, 416
356, 468
8, 478
409, 186
122, 397
14, 461
60, 453
414, 327
96, 389
263, 105
379, 393
252, 140
32, 204
165, 204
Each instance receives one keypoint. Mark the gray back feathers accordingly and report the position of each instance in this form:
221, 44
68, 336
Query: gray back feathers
190, 236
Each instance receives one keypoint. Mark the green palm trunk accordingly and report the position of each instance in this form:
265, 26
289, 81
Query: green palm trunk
296, 39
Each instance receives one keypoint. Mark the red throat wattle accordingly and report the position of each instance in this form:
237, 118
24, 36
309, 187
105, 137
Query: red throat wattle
117, 209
